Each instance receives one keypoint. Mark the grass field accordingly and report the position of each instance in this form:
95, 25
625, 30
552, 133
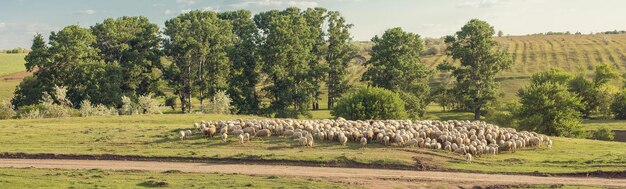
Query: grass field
155, 136
97, 178
11, 63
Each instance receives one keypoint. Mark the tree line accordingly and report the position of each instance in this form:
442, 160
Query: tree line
293, 53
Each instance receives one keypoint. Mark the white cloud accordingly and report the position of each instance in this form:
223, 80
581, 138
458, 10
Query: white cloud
189, 2
492, 3
167, 12
274, 3
183, 11
87, 12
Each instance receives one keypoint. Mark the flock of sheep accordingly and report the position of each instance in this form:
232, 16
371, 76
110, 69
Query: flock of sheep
468, 138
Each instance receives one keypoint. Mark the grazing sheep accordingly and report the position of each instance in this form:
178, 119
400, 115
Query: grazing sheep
386, 140
302, 141
263, 133
468, 157
182, 135
475, 138
363, 141
241, 138
224, 137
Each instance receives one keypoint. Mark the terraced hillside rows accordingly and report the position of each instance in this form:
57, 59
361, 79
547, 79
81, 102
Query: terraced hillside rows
568, 52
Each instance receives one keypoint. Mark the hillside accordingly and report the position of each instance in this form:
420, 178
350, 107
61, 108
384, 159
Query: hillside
532, 54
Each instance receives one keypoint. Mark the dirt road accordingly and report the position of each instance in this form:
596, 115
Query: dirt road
375, 178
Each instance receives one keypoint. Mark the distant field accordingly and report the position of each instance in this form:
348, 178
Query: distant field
156, 136
11, 63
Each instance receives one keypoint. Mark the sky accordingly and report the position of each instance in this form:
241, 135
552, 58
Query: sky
21, 19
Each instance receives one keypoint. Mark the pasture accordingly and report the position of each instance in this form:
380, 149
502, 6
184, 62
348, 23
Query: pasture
157, 136
97, 178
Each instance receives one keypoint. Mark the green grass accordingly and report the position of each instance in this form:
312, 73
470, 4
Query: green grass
7, 87
156, 136
97, 178
610, 124
11, 63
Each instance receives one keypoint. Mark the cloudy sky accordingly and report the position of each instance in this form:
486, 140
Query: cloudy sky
21, 19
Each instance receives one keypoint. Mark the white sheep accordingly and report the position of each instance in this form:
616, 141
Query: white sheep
224, 137
241, 138
363, 141
468, 157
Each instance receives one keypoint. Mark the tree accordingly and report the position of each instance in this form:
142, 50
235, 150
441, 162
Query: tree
198, 42
71, 61
38, 55
315, 18
549, 108
480, 60
245, 62
395, 65
285, 49
134, 44
500, 33
338, 56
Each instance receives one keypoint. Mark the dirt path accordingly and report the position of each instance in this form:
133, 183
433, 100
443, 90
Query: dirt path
378, 178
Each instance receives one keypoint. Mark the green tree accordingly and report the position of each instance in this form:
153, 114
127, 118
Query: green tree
395, 65
500, 33
245, 62
198, 42
38, 55
480, 60
285, 49
337, 56
549, 108
134, 44
315, 19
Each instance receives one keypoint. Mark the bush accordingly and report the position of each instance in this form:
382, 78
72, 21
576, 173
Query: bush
618, 107
128, 107
51, 110
549, 108
148, 105
86, 109
6, 110
171, 101
220, 104
30, 112
603, 134
370, 103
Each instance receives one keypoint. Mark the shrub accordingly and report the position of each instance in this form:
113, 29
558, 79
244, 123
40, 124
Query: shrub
618, 107
148, 105
51, 110
549, 108
30, 112
128, 107
171, 101
6, 110
86, 109
370, 103
603, 134
220, 104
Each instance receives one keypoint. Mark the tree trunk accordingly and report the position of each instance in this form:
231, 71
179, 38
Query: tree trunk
330, 103
182, 103
477, 113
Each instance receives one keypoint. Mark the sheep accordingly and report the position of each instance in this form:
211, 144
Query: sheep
363, 141
343, 139
182, 135
263, 133
461, 137
386, 140
468, 157
241, 138
302, 141
224, 137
